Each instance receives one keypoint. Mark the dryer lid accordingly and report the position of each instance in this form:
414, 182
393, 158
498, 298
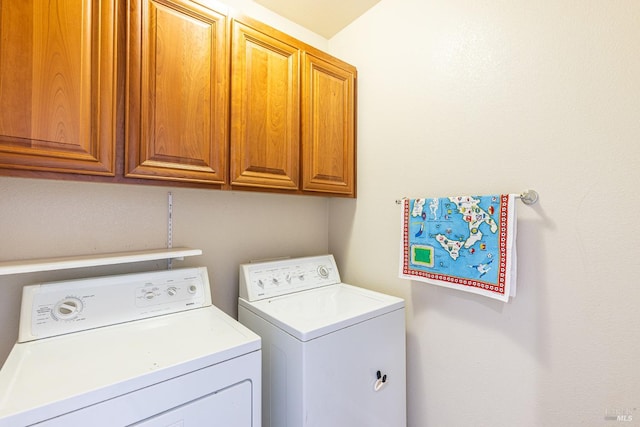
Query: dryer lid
59, 374
311, 314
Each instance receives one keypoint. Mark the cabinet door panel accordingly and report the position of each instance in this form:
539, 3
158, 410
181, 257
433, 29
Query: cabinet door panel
58, 85
177, 117
328, 126
264, 110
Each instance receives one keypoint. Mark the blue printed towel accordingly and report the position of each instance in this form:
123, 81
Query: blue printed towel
465, 242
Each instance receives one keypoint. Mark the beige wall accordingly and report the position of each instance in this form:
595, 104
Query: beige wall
40, 218
459, 97
257, 11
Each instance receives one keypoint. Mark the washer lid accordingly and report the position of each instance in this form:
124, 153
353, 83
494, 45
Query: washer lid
310, 314
49, 377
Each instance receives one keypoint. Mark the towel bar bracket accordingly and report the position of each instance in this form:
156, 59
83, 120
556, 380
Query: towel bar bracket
529, 197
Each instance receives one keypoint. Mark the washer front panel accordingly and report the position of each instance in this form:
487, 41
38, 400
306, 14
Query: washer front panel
273, 278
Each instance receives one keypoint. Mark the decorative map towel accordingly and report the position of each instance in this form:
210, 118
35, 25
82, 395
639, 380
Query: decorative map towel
465, 242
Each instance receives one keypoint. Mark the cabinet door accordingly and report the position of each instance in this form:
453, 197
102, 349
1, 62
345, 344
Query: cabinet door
265, 111
328, 126
58, 85
177, 92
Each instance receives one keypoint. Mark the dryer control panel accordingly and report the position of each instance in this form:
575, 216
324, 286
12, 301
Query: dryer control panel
269, 279
56, 308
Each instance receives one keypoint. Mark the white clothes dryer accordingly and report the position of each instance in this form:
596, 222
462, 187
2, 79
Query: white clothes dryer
146, 349
333, 354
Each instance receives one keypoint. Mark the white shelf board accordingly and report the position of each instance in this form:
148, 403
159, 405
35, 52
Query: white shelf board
62, 263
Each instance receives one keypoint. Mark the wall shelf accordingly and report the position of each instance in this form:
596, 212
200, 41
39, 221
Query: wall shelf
62, 263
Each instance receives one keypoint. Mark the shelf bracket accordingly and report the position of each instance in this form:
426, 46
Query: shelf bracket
170, 228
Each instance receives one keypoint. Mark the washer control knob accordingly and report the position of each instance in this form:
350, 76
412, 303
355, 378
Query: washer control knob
323, 271
192, 289
149, 295
275, 281
172, 291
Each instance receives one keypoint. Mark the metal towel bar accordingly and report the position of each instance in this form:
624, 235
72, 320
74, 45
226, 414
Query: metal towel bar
528, 197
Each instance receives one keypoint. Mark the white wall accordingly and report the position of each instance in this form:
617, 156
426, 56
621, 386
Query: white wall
459, 97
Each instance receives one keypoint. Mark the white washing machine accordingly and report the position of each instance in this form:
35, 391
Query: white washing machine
143, 349
333, 354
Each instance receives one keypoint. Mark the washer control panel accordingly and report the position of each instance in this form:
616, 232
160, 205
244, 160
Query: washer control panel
56, 308
268, 279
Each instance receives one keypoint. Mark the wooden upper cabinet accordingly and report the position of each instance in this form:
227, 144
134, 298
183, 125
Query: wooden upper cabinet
328, 125
265, 112
177, 87
206, 99
58, 85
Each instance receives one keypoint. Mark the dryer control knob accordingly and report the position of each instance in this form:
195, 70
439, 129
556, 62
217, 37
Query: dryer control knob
67, 309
